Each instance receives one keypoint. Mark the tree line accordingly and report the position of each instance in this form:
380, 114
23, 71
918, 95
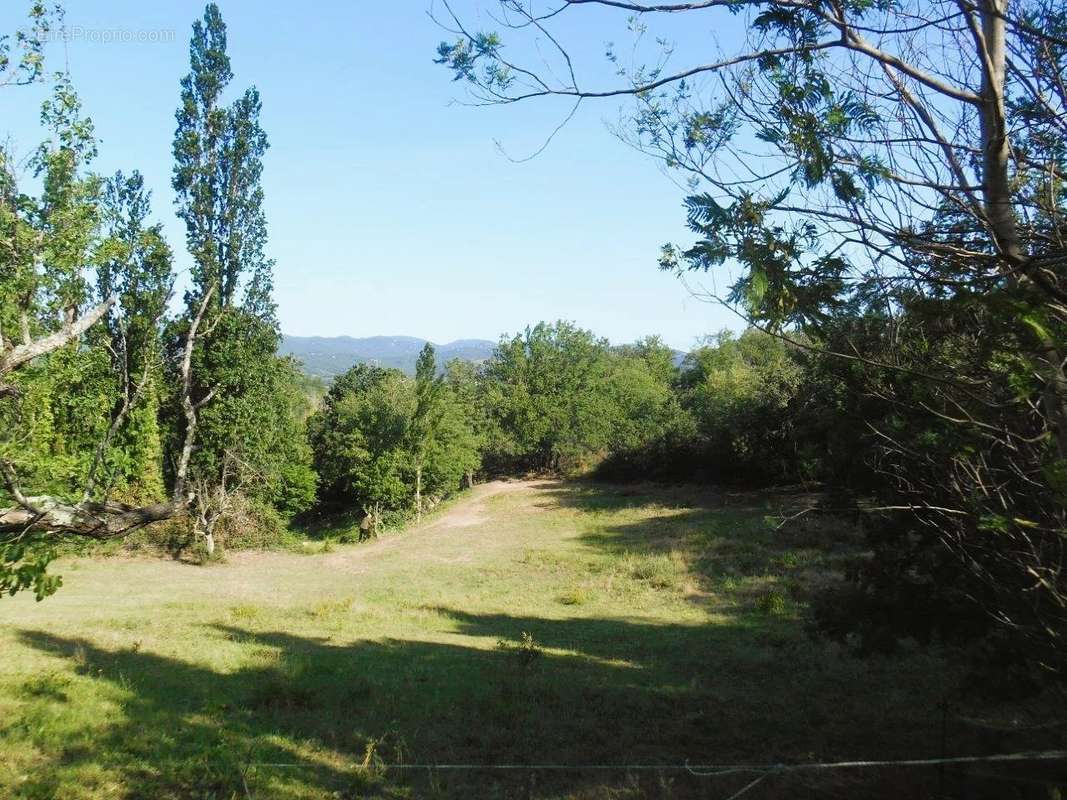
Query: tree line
746, 409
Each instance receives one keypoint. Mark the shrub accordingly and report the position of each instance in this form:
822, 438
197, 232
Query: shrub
173, 536
525, 653
250, 525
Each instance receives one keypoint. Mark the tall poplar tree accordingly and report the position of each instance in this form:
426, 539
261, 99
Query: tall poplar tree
218, 152
428, 388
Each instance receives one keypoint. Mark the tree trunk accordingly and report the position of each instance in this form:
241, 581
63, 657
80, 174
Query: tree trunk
996, 183
418, 493
204, 528
997, 197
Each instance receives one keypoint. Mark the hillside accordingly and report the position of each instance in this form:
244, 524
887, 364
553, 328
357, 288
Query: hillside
329, 356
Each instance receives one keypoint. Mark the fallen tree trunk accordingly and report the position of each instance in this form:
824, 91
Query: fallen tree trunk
94, 520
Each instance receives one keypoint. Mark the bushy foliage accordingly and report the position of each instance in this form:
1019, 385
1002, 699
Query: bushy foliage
977, 473
100, 421
382, 441
543, 395
359, 438
737, 410
558, 398
742, 394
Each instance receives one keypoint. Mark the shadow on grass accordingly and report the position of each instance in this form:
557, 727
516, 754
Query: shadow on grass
338, 523
732, 543
303, 717
293, 716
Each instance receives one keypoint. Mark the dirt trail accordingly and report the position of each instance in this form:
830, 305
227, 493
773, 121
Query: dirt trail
469, 513
472, 511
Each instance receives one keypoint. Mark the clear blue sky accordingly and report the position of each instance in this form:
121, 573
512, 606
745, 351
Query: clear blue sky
390, 209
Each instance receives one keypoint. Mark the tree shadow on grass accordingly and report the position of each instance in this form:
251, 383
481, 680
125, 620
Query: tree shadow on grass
293, 716
733, 543
304, 717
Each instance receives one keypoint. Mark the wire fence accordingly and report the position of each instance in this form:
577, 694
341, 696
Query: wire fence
761, 772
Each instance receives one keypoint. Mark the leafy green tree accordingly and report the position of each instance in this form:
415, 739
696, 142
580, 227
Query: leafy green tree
51, 389
58, 352
81, 362
642, 406
455, 452
384, 442
651, 434
286, 462
361, 440
741, 392
425, 420
467, 387
558, 398
657, 357
544, 391
444, 446
44, 289
218, 151
134, 264
22, 53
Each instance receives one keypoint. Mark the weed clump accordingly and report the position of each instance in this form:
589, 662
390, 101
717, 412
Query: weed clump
660, 571
772, 603
525, 653
50, 685
575, 597
330, 608
244, 612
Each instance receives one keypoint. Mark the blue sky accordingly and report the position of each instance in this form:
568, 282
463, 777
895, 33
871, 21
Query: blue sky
390, 209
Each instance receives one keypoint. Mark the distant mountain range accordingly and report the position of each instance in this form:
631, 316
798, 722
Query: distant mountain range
327, 357
330, 356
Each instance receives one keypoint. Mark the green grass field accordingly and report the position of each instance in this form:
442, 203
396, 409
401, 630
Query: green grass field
528, 623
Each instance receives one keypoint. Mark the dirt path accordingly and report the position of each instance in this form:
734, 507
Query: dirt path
472, 510
468, 517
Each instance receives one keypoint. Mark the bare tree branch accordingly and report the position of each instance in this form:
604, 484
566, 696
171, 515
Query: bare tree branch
18, 355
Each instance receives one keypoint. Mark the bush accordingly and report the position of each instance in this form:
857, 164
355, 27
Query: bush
250, 525
247, 524
772, 603
574, 597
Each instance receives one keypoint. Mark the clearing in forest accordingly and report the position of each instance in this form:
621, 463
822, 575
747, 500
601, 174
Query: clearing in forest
528, 623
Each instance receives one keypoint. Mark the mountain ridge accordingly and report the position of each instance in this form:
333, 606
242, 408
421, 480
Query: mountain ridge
329, 356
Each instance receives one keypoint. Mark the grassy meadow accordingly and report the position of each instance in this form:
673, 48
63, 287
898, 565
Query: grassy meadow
529, 623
